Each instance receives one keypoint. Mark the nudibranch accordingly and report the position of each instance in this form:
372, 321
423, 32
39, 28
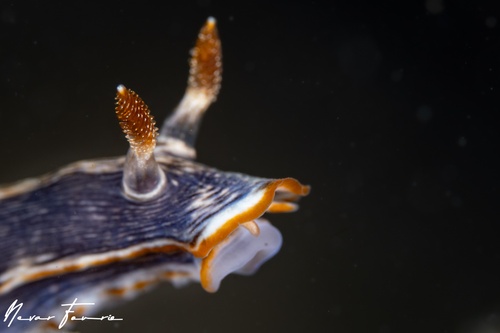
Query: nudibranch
101, 229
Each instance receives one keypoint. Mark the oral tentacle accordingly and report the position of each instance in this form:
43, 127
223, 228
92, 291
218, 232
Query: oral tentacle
252, 227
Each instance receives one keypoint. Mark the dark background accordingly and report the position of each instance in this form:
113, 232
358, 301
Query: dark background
388, 109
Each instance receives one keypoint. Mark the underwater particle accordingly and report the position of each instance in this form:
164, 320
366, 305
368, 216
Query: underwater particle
434, 6
359, 59
462, 141
490, 22
8, 16
424, 114
397, 75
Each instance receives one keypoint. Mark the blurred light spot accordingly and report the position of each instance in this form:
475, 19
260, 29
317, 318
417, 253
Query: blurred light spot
397, 75
354, 182
336, 310
434, 6
203, 3
249, 66
449, 173
424, 113
426, 194
491, 22
456, 201
484, 323
462, 141
385, 329
337, 242
8, 16
360, 59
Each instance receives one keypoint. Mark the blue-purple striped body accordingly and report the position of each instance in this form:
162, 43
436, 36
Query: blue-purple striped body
87, 213
103, 230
